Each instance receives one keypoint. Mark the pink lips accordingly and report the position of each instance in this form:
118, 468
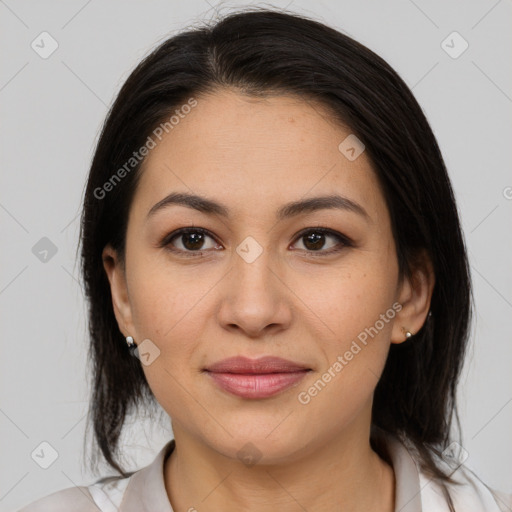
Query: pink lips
256, 378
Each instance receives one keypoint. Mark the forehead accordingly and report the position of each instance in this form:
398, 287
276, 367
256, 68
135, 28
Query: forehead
252, 152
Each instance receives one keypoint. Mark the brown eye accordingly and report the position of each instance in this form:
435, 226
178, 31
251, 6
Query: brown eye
191, 240
317, 240
314, 241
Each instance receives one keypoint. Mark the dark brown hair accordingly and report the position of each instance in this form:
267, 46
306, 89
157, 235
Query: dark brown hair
261, 52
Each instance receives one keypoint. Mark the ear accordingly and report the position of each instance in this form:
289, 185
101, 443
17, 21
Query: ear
415, 294
120, 300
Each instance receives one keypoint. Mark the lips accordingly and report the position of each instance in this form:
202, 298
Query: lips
256, 378
262, 365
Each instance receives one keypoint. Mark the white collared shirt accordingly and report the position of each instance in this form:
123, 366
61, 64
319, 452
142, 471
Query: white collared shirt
144, 490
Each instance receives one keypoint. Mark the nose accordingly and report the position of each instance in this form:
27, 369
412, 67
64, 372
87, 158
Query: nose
254, 297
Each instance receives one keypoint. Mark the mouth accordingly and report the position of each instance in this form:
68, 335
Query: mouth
262, 365
256, 378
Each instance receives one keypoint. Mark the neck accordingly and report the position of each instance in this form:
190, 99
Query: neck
342, 474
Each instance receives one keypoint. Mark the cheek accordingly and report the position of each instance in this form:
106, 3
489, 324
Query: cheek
167, 309
164, 297
351, 302
357, 309
163, 309
359, 314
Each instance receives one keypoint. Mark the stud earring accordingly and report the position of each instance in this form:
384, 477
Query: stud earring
407, 334
132, 347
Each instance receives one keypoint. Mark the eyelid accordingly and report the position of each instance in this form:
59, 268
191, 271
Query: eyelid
166, 241
326, 231
343, 239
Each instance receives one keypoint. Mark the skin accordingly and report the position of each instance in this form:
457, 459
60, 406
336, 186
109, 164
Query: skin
253, 155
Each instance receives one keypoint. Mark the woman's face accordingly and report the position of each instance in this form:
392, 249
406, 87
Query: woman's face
258, 283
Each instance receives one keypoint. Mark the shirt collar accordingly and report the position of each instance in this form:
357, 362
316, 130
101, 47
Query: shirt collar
146, 490
407, 481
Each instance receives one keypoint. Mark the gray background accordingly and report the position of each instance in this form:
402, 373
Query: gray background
51, 112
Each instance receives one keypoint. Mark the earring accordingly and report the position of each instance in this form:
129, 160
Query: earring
407, 334
132, 348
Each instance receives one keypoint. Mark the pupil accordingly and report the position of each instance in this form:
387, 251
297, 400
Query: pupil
197, 240
316, 239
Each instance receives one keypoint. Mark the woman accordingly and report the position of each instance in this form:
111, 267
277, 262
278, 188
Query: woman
272, 253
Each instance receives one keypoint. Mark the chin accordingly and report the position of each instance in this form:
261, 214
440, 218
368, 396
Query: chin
252, 445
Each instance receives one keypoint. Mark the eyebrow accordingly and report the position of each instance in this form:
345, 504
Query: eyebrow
210, 207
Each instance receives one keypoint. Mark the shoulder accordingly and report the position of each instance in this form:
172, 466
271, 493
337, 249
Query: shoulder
419, 490
103, 496
503, 500
470, 493
72, 499
112, 493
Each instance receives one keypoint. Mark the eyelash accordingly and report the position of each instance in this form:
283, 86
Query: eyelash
344, 240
